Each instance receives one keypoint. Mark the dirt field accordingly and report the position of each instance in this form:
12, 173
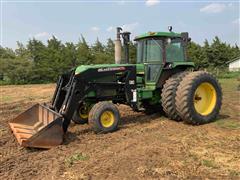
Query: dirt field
145, 147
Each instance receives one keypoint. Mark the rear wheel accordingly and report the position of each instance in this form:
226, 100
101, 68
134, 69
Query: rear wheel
199, 98
169, 94
104, 117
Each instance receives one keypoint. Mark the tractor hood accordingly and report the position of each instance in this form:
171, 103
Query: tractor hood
103, 67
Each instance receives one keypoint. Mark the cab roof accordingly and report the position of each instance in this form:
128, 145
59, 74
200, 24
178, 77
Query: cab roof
157, 34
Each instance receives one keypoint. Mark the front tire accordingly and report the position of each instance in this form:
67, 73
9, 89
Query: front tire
198, 98
81, 115
104, 117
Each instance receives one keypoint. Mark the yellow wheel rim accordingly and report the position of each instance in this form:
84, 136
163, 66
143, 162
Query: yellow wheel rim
107, 119
205, 98
83, 113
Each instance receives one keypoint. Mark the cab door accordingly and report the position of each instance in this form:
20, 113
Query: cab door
153, 60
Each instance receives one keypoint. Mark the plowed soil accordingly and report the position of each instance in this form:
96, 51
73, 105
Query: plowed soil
144, 147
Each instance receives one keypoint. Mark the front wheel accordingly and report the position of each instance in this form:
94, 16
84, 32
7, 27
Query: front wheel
81, 115
104, 117
198, 98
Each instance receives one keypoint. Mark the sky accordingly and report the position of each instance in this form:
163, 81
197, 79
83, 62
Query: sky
22, 20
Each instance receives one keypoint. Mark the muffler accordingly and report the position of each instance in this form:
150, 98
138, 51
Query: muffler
118, 47
38, 127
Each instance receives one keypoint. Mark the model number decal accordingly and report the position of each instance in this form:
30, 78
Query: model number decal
131, 82
134, 91
111, 69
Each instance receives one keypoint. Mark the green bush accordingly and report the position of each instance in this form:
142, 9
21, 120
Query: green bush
37, 62
229, 75
223, 73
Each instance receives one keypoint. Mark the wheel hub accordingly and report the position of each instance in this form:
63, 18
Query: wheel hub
83, 113
205, 98
107, 119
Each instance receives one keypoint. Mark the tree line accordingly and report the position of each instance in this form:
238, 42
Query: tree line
37, 62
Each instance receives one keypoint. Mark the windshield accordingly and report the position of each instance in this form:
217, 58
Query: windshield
149, 50
174, 51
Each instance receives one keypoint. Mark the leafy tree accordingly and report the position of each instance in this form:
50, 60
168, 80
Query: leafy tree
21, 50
132, 52
55, 62
37, 50
18, 70
195, 54
70, 55
98, 47
110, 47
40, 63
84, 54
99, 53
39, 56
6, 53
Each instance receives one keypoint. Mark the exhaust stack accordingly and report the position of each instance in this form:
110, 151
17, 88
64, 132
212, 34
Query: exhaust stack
118, 46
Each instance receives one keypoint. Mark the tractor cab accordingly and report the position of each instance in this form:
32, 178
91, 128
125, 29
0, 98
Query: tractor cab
160, 47
159, 50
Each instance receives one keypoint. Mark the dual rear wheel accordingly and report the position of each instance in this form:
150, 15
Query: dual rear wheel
194, 97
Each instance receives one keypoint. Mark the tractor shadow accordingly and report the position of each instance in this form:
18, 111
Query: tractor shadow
222, 117
219, 118
75, 136
144, 118
70, 137
126, 120
140, 118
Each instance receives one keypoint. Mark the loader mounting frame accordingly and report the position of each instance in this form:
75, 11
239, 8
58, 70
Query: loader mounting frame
72, 89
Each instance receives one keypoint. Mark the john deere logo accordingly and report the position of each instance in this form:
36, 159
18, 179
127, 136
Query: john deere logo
111, 69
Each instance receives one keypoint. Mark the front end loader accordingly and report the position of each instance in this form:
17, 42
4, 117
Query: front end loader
161, 80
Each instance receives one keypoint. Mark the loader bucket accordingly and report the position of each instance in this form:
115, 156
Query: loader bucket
38, 127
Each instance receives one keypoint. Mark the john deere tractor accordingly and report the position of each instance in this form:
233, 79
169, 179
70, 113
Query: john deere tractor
161, 79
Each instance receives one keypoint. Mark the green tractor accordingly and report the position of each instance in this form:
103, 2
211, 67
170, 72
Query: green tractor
162, 80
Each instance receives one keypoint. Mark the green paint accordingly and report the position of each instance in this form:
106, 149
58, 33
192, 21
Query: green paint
139, 80
83, 68
157, 34
145, 94
139, 68
146, 83
150, 86
91, 94
182, 63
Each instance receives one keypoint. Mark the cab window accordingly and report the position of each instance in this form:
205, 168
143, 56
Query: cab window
153, 50
174, 51
150, 50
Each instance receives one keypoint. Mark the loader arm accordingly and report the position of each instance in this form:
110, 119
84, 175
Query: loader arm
79, 85
43, 126
60, 93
